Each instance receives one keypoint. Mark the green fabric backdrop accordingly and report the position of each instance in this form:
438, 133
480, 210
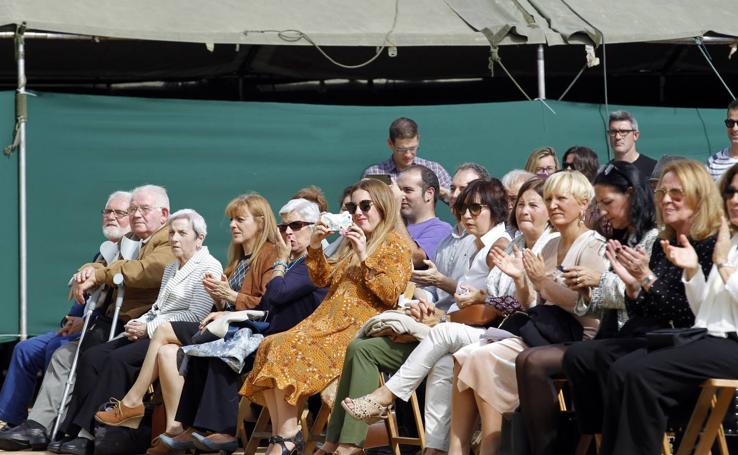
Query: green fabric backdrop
81, 148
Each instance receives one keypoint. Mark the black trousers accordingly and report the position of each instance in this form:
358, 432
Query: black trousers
587, 366
645, 388
104, 371
210, 396
535, 369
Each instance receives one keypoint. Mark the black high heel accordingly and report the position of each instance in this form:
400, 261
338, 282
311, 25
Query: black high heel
297, 439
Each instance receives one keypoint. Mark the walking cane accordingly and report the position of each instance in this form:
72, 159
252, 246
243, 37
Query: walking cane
93, 301
118, 281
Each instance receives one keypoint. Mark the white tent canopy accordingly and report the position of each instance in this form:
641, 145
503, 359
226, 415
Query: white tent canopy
362, 23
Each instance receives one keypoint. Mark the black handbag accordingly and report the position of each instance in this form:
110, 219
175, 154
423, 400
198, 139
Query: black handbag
543, 325
671, 337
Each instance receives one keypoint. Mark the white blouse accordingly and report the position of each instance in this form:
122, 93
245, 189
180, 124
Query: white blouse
714, 303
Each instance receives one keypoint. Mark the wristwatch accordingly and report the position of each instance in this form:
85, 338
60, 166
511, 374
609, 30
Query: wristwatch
648, 280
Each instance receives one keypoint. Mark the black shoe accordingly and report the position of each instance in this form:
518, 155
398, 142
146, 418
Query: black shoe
55, 446
27, 435
204, 444
78, 446
297, 439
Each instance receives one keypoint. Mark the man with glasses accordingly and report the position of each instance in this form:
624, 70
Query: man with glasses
147, 215
404, 142
33, 356
623, 133
718, 163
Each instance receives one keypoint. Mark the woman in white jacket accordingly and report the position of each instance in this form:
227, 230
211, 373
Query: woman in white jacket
646, 392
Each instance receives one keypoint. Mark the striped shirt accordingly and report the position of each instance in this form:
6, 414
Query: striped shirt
388, 167
718, 163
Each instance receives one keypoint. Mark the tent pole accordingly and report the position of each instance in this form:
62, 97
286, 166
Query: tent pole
20, 55
541, 63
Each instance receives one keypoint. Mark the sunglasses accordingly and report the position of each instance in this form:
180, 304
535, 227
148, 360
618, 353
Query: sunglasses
730, 123
364, 205
295, 226
675, 194
474, 208
730, 192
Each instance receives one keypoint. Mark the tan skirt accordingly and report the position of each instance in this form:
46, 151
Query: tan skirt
489, 370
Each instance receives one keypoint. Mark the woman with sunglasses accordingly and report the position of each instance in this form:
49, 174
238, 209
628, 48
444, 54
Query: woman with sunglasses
369, 273
582, 159
251, 253
485, 381
689, 207
625, 205
665, 382
482, 209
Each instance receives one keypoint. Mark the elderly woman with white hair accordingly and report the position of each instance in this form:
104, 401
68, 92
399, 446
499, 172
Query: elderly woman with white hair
110, 368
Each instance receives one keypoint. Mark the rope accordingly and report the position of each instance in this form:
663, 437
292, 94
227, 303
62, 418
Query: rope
494, 55
574, 81
701, 47
292, 36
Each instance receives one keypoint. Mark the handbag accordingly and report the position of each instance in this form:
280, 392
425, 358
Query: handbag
673, 337
476, 315
543, 325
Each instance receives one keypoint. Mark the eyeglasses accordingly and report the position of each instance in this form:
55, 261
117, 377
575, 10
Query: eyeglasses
474, 208
545, 170
364, 205
295, 226
729, 192
615, 133
675, 194
730, 123
118, 214
145, 209
407, 149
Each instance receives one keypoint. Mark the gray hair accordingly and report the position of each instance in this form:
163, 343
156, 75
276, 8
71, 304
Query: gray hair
516, 178
307, 210
623, 116
159, 193
117, 194
478, 169
196, 221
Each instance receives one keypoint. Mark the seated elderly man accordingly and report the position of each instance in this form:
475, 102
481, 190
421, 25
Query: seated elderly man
32, 356
147, 214
109, 369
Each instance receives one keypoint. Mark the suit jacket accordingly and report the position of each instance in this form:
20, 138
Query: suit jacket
182, 296
256, 279
142, 276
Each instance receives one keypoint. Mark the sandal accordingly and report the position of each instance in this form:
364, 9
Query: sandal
297, 440
366, 409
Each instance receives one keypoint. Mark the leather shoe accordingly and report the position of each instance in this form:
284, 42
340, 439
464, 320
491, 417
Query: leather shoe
116, 414
27, 435
78, 446
182, 441
216, 442
55, 446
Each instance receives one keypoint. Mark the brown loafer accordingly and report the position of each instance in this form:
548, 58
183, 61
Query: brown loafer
117, 414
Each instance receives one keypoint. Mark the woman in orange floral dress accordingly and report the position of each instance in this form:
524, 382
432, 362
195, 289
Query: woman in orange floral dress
372, 269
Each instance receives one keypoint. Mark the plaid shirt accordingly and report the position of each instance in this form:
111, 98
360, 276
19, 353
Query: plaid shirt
388, 167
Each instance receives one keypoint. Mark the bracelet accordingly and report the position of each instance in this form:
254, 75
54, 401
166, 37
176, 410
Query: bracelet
279, 262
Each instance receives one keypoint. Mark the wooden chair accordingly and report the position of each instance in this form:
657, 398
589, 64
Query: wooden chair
706, 422
393, 431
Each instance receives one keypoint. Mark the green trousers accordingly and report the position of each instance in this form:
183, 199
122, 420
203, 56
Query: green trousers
365, 358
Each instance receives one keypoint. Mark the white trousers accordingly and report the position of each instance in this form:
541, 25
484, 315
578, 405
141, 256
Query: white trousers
432, 358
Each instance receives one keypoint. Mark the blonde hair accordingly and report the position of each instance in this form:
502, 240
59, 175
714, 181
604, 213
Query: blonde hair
701, 195
569, 182
537, 154
385, 203
259, 208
